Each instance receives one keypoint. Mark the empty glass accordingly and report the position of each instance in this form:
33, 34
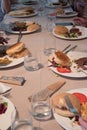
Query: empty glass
51, 19
41, 7
49, 46
31, 63
41, 109
21, 123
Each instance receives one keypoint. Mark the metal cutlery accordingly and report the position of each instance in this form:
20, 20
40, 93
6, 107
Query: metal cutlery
19, 37
71, 107
70, 49
66, 48
83, 71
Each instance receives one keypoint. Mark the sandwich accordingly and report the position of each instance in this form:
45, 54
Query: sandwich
17, 50
60, 106
60, 58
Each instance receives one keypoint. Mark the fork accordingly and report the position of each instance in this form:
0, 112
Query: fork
65, 49
19, 36
70, 49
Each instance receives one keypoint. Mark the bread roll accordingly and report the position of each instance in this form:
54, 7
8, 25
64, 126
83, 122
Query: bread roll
60, 30
60, 58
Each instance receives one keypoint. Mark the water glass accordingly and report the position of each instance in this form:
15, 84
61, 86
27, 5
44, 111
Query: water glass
41, 109
51, 19
31, 63
41, 7
22, 123
49, 46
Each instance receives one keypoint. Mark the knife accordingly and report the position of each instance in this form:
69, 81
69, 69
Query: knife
50, 90
71, 107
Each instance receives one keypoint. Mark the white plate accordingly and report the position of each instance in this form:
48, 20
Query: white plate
73, 14
9, 29
74, 74
17, 14
65, 122
5, 119
55, 6
51, 6
83, 30
15, 61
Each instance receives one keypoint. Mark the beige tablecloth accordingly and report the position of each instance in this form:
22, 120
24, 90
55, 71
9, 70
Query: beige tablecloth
43, 77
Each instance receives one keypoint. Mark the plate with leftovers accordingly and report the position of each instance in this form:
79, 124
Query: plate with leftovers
30, 2
70, 65
70, 32
65, 12
62, 14
51, 5
56, 4
22, 13
14, 55
6, 109
24, 27
66, 118
7, 61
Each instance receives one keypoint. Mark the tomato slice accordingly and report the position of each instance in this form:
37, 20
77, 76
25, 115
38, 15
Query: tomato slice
82, 98
63, 70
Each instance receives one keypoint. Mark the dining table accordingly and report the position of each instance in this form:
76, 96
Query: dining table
39, 79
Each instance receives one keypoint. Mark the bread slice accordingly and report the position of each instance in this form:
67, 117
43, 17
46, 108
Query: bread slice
15, 48
22, 53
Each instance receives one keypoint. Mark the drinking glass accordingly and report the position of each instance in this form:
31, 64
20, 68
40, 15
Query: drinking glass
51, 19
21, 123
31, 63
41, 7
49, 46
40, 106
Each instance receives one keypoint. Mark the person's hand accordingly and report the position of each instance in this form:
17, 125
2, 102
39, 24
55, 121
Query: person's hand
3, 41
80, 21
